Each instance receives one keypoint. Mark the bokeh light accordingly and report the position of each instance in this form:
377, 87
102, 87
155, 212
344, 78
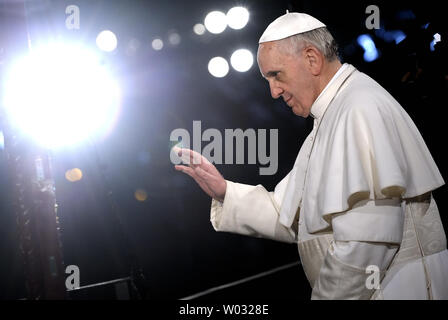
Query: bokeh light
437, 38
141, 195
157, 44
132, 47
106, 41
237, 17
73, 175
218, 67
199, 29
216, 22
370, 50
242, 60
174, 38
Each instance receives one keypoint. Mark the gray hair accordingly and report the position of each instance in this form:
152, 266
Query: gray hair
319, 38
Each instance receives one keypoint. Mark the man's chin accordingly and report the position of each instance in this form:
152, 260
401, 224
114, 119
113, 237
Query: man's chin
300, 112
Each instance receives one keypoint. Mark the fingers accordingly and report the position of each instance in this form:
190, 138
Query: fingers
190, 157
197, 176
185, 169
204, 174
196, 173
202, 171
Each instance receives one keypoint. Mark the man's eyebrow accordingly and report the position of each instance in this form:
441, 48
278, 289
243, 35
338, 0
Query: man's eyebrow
270, 74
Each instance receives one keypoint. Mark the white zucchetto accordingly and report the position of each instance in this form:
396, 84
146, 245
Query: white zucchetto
288, 25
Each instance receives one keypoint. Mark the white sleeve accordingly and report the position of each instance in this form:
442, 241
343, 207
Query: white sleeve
253, 211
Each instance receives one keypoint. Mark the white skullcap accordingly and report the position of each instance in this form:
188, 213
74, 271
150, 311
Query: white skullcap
288, 25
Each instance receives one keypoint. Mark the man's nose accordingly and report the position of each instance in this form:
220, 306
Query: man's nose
276, 92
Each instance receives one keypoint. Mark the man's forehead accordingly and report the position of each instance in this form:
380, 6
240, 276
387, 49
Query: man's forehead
267, 52
268, 57
267, 47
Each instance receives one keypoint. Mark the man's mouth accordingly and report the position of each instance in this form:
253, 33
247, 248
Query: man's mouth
287, 101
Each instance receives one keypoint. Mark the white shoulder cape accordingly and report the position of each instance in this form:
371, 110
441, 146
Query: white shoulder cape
367, 147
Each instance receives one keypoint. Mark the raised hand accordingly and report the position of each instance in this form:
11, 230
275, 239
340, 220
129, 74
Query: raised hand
203, 172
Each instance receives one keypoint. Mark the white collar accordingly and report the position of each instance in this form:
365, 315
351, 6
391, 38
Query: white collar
317, 110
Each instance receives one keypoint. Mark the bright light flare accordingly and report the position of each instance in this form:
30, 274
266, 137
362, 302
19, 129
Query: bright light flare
237, 17
215, 22
242, 60
218, 67
60, 95
106, 41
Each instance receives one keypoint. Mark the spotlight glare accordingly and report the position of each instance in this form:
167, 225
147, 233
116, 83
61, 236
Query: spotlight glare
106, 41
242, 60
237, 17
215, 22
199, 29
60, 95
157, 44
218, 67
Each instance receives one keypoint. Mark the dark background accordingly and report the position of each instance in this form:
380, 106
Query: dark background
170, 233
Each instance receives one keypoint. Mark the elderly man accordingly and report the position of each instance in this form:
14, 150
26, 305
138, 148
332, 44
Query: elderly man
358, 199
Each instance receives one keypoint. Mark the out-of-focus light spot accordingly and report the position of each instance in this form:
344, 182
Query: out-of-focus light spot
199, 29
425, 26
174, 38
218, 67
73, 175
242, 60
398, 36
157, 44
132, 47
237, 17
370, 51
405, 15
106, 41
140, 195
215, 22
61, 95
437, 38
392, 35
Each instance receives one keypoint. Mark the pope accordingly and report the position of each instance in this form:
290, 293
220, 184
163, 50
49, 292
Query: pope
359, 196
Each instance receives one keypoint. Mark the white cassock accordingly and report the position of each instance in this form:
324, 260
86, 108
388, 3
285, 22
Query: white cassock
359, 195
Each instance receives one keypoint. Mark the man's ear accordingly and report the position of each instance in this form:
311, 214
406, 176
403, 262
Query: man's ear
314, 60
